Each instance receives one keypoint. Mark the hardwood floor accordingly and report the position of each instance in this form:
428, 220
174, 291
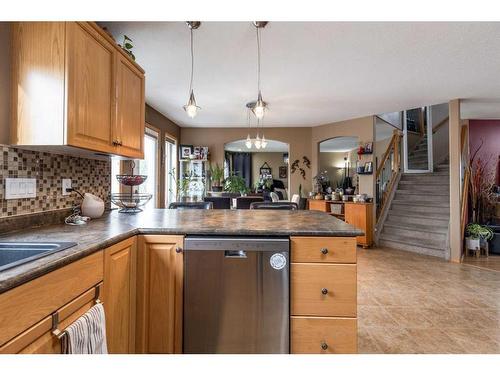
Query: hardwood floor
490, 263
411, 303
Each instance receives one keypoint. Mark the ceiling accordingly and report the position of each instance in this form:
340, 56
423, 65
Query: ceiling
317, 72
339, 144
272, 146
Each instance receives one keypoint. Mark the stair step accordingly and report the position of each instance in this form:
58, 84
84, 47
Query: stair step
435, 184
419, 209
417, 230
423, 202
443, 190
423, 241
412, 248
425, 196
399, 217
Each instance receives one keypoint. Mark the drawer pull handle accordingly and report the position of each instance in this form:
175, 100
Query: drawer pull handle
324, 251
324, 345
324, 291
178, 249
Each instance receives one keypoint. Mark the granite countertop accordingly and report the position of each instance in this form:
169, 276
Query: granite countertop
115, 227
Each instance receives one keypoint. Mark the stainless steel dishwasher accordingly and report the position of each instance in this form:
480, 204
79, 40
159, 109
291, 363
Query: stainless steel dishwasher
236, 295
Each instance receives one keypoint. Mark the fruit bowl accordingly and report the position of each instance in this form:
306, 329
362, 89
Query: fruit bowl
130, 203
130, 179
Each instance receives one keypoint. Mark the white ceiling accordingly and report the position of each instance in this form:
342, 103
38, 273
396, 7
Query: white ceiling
317, 72
339, 144
272, 146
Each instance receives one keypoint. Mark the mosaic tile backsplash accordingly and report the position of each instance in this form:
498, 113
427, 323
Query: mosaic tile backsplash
87, 175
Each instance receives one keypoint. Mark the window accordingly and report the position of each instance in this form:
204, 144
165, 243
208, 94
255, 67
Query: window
149, 166
170, 171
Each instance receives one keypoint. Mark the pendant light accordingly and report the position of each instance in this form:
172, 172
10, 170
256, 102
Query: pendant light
248, 142
258, 107
191, 108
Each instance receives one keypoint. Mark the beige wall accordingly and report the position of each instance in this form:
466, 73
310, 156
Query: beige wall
158, 120
4, 83
298, 140
273, 159
363, 128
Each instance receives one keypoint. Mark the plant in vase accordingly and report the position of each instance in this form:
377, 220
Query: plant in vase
475, 233
216, 176
235, 184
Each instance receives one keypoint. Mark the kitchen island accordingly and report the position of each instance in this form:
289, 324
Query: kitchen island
124, 254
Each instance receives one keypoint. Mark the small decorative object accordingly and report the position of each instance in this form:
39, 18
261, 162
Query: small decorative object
360, 168
369, 148
185, 151
216, 175
197, 169
133, 201
295, 166
92, 206
127, 46
318, 196
265, 169
283, 171
285, 158
368, 167
349, 191
306, 161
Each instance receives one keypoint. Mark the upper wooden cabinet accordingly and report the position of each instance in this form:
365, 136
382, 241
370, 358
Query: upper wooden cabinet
73, 86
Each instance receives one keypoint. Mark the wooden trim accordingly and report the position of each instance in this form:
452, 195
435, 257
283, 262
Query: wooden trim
392, 144
440, 124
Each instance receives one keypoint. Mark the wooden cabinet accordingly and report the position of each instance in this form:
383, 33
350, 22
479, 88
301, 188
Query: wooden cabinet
25, 311
73, 86
360, 215
323, 292
159, 290
119, 294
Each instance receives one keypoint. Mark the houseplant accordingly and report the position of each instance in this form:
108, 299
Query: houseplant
216, 176
475, 233
235, 184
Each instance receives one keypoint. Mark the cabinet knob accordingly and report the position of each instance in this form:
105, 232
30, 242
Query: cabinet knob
115, 143
324, 345
324, 291
324, 251
178, 249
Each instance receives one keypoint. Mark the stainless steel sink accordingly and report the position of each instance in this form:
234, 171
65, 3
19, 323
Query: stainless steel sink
13, 254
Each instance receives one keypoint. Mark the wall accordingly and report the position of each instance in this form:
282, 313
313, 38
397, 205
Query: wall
489, 131
298, 140
363, 128
273, 159
4, 82
333, 163
88, 176
160, 121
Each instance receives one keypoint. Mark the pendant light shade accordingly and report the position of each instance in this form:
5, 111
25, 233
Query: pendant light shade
259, 107
258, 143
191, 108
248, 142
263, 142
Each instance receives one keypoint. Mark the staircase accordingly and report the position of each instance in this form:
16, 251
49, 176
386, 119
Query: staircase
418, 217
417, 158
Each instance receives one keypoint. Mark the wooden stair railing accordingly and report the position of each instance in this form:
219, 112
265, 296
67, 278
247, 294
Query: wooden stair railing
392, 149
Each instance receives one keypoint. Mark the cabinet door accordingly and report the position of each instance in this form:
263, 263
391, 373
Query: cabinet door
130, 108
119, 294
159, 288
90, 88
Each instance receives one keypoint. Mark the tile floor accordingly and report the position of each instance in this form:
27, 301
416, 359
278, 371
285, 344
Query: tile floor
410, 303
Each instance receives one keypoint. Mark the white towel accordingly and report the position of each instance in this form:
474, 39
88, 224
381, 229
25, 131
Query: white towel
87, 335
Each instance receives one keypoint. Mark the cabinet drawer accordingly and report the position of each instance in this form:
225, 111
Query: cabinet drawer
311, 335
323, 289
323, 249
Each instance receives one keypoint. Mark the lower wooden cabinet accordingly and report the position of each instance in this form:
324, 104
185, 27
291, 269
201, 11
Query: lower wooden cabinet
159, 290
120, 295
323, 335
360, 215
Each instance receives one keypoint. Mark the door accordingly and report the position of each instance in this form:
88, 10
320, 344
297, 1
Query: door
236, 301
91, 88
120, 297
159, 290
130, 108
417, 140
170, 171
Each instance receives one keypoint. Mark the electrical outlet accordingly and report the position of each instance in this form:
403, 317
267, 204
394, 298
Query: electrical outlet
66, 184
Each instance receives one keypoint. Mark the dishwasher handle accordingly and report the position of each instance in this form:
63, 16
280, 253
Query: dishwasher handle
235, 254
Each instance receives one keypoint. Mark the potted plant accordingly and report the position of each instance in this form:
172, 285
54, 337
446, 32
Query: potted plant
475, 233
216, 176
235, 184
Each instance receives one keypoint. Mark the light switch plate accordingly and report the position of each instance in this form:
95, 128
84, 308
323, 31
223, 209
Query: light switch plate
66, 184
17, 188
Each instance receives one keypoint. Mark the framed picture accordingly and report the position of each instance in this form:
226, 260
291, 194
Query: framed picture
204, 153
265, 169
197, 169
283, 172
185, 151
369, 148
197, 152
368, 167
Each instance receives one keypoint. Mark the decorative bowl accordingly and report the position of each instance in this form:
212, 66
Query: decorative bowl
130, 179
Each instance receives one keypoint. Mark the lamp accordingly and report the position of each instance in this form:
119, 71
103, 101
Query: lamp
259, 107
191, 108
